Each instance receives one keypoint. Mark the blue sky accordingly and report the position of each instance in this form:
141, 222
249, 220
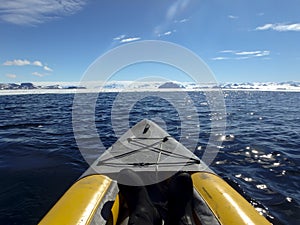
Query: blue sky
240, 40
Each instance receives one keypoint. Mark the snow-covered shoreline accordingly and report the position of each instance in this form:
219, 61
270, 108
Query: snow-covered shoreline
132, 86
74, 91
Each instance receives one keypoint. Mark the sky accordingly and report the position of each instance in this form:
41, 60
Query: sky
239, 40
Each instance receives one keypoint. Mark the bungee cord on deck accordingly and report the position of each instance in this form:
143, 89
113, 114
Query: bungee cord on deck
153, 148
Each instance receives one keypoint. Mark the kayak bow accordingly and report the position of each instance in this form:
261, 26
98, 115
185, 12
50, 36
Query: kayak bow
152, 152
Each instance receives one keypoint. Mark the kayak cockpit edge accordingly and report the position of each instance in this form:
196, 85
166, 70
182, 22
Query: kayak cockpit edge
94, 200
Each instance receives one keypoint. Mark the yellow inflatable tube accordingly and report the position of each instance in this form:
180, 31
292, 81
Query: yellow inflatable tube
228, 206
81, 202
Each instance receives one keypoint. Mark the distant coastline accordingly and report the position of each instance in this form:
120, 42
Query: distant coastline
132, 86
31, 86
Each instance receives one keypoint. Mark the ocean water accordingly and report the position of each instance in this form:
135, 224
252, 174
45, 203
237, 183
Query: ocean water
259, 157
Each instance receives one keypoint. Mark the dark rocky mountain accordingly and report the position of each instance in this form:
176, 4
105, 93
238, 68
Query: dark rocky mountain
171, 85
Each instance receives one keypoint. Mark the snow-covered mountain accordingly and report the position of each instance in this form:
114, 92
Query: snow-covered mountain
267, 86
117, 86
189, 86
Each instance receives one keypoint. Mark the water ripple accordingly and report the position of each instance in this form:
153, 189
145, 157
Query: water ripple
259, 155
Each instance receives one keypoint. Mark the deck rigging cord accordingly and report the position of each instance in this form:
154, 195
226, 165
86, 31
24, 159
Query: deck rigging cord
134, 141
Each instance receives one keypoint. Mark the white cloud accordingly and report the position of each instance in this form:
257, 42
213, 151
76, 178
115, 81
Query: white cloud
233, 17
167, 33
37, 63
38, 74
130, 39
248, 53
17, 62
12, 76
124, 38
265, 27
48, 68
219, 58
174, 11
182, 20
31, 12
25, 62
176, 8
280, 27
120, 37
227, 51
233, 54
243, 57
262, 53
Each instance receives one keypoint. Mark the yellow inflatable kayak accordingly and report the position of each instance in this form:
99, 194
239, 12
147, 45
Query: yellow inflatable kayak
151, 152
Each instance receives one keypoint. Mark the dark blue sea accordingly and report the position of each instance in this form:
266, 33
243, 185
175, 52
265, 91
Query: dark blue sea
260, 156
